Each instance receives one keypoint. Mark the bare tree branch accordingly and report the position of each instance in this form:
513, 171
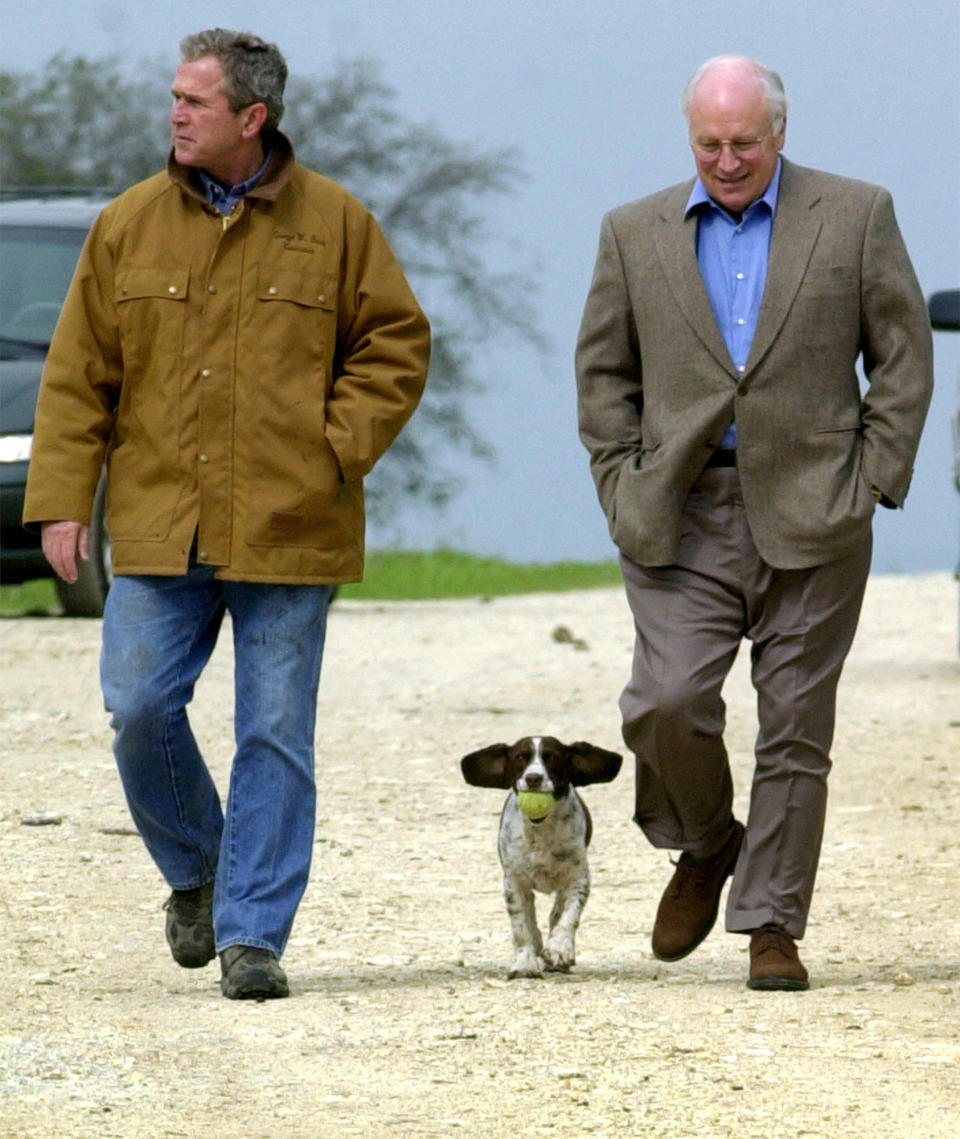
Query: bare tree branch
80, 122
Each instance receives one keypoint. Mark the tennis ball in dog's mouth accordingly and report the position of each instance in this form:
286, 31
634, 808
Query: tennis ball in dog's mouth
535, 804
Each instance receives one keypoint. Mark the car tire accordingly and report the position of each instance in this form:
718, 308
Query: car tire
86, 596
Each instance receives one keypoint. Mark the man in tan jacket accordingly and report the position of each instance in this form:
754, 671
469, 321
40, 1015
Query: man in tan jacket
239, 346
739, 466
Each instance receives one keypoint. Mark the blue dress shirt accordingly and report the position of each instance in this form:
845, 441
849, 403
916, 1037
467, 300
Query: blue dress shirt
224, 198
733, 263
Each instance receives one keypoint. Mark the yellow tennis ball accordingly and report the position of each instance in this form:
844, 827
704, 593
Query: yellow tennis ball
535, 804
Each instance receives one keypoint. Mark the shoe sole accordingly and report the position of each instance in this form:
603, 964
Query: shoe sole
186, 961
255, 992
774, 984
690, 948
256, 995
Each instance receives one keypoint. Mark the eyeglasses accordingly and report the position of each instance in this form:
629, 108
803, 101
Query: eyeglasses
742, 147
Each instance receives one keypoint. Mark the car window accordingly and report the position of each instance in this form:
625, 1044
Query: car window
36, 266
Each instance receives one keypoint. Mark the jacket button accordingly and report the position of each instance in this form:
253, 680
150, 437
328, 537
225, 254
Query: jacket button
172, 289
272, 290
205, 372
211, 288
322, 297
204, 458
202, 555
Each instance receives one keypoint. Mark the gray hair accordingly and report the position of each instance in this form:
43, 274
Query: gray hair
769, 80
254, 71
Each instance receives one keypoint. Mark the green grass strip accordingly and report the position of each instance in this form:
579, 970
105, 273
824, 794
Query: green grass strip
405, 575
411, 575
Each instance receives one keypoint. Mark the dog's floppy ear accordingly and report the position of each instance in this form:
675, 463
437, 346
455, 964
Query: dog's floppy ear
591, 764
487, 767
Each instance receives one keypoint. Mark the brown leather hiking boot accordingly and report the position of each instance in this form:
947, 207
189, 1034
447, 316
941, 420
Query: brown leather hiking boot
691, 900
774, 961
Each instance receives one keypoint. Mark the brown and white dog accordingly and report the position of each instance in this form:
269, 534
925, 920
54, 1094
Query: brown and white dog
549, 854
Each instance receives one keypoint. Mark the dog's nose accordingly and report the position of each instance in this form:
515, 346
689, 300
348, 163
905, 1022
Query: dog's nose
533, 780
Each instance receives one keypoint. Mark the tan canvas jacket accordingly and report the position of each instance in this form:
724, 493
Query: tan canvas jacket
240, 376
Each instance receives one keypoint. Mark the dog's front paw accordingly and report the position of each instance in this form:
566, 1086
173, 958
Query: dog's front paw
559, 955
525, 964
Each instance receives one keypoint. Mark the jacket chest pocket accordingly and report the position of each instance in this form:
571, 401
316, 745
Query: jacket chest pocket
296, 318
151, 310
306, 290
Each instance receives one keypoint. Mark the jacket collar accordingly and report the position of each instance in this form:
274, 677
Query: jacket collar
795, 231
675, 238
274, 178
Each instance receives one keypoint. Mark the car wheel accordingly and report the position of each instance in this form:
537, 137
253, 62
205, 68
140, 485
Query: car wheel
86, 596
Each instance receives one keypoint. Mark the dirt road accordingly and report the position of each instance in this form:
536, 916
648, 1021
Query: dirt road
401, 1021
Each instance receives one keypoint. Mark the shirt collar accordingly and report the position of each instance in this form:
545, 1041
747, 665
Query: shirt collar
275, 178
218, 194
700, 197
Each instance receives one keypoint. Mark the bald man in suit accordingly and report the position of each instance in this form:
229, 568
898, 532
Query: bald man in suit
739, 465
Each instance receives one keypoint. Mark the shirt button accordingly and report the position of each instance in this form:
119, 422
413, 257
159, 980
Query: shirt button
739, 276
740, 320
211, 288
742, 368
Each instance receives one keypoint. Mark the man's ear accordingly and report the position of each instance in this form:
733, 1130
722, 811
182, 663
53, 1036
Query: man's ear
253, 119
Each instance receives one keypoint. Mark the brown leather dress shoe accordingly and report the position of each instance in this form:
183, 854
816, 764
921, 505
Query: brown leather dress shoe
691, 900
774, 961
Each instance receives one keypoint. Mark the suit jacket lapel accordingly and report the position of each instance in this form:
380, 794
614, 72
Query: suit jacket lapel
676, 247
796, 228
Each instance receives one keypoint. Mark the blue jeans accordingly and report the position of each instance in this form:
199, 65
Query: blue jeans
158, 634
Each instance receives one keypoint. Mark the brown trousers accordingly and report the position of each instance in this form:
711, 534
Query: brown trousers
690, 618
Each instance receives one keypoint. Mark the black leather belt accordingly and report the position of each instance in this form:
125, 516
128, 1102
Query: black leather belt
723, 457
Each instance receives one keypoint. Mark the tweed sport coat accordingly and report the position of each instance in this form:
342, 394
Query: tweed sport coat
657, 387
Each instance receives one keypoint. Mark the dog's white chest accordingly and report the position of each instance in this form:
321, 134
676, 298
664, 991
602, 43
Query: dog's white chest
550, 854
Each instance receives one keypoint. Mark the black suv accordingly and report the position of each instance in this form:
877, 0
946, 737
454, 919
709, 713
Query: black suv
40, 241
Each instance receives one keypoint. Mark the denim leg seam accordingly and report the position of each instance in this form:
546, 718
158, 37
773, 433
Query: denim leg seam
268, 826
168, 753
157, 634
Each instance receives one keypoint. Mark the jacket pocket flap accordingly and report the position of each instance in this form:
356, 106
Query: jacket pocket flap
135, 284
312, 290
